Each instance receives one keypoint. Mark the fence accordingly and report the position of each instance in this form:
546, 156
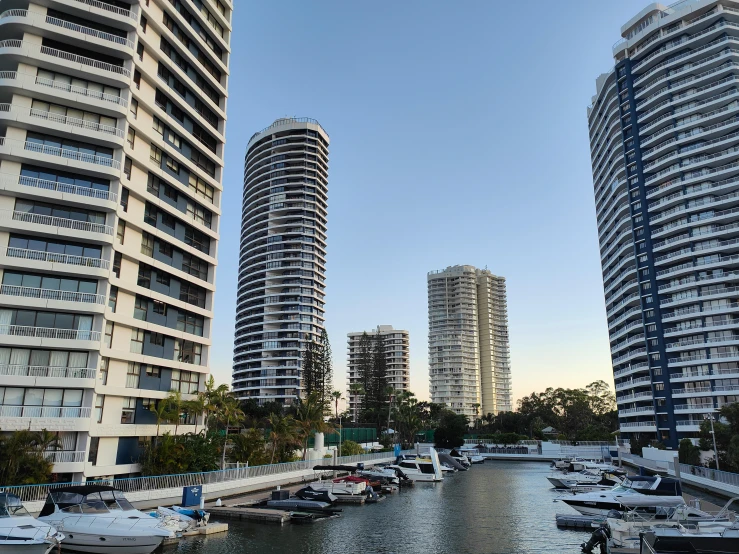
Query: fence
686, 471
37, 493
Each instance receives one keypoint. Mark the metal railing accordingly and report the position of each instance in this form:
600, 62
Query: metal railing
69, 154
57, 186
65, 456
111, 8
686, 471
35, 493
58, 372
51, 294
53, 257
48, 333
90, 93
53, 221
65, 120
74, 412
89, 31
97, 64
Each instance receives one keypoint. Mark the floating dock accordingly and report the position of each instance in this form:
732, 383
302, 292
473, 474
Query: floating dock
263, 515
575, 521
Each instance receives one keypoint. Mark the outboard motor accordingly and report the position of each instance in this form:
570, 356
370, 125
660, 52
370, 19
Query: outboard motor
599, 538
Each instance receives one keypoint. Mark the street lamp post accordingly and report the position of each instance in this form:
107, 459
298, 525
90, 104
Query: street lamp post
340, 436
713, 436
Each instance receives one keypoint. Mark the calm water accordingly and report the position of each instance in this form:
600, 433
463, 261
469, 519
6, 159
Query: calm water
495, 508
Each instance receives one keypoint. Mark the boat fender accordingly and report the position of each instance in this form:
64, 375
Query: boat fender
599, 538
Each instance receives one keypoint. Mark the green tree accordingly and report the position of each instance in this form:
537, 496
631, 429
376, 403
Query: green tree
351, 448
364, 371
310, 366
326, 372
249, 447
162, 411
282, 432
309, 419
451, 430
336, 395
356, 390
227, 412
377, 392
688, 453
23, 457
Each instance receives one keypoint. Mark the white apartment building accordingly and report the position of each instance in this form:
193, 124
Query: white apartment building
395, 344
112, 124
282, 262
469, 357
664, 141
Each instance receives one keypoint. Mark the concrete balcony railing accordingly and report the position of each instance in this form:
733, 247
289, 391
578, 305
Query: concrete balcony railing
696, 390
36, 19
72, 224
62, 152
44, 411
47, 371
50, 294
62, 119
65, 456
74, 58
7, 179
132, 13
63, 86
703, 406
636, 396
651, 424
636, 411
642, 366
53, 257
634, 383
48, 333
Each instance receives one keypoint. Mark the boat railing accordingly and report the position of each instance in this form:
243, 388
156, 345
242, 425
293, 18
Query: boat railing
122, 522
23, 532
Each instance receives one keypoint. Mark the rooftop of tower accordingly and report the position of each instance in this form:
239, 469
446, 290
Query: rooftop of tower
283, 121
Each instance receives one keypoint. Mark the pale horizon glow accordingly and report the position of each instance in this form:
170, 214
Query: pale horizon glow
458, 136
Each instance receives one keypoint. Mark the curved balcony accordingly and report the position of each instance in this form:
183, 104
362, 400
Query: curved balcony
62, 119
643, 410
629, 355
633, 383
84, 95
703, 407
53, 257
48, 333
638, 426
32, 49
56, 186
47, 371
37, 20
131, 14
61, 152
60, 222
635, 368
49, 294
634, 397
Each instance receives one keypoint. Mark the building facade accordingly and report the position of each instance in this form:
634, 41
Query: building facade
112, 123
282, 261
469, 356
396, 344
664, 133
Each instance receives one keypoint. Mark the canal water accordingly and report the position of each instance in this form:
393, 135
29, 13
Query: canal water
494, 508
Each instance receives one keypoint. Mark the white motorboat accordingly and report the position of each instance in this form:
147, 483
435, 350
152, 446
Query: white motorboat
472, 454
422, 469
601, 502
342, 486
98, 519
644, 512
20, 533
585, 480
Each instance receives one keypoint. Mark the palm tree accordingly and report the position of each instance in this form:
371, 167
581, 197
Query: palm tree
356, 389
282, 432
210, 398
336, 395
229, 411
162, 411
309, 417
476, 407
174, 400
196, 406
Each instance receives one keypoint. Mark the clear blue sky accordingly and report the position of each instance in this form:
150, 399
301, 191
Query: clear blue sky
458, 136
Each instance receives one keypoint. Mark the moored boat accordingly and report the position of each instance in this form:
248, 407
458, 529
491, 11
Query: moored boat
20, 533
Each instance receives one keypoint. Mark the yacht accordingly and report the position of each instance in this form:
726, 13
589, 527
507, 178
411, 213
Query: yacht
685, 538
587, 479
98, 519
20, 533
642, 512
601, 502
420, 469
472, 454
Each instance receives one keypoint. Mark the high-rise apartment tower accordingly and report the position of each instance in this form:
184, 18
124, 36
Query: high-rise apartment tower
469, 358
282, 262
112, 123
395, 345
664, 135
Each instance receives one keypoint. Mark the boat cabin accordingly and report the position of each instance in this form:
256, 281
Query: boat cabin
86, 499
653, 485
11, 506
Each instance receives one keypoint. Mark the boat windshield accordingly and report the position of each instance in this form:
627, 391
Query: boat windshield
622, 489
11, 506
114, 500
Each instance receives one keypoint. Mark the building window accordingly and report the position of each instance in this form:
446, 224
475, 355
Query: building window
135, 108
160, 308
94, 446
147, 244
144, 22
157, 339
137, 78
128, 413
140, 50
174, 139
172, 165
185, 382
133, 375
104, 362
124, 198
144, 279
113, 298
109, 328
163, 278
156, 155
127, 168
137, 341
140, 308
99, 406
153, 371
117, 258
158, 126
121, 232
188, 352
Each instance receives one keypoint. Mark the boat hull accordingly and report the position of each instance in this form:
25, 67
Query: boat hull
93, 543
25, 547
